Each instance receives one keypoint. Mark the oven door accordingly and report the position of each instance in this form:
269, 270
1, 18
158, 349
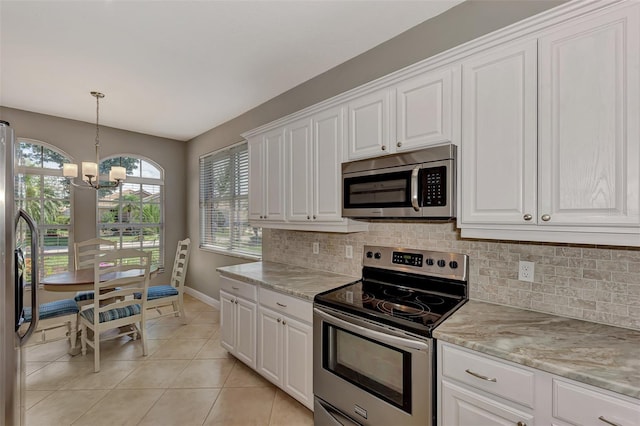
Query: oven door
373, 374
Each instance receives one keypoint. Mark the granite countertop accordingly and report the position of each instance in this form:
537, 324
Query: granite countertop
294, 280
604, 356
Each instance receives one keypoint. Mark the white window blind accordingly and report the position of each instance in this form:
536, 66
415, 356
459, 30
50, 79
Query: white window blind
224, 203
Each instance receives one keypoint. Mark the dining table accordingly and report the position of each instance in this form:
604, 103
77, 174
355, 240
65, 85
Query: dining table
82, 279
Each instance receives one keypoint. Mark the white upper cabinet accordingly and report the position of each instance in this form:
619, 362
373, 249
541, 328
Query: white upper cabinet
424, 107
266, 176
412, 114
499, 137
589, 149
299, 161
369, 121
577, 179
328, 131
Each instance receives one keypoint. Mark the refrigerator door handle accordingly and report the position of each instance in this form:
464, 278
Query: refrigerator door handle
35, 314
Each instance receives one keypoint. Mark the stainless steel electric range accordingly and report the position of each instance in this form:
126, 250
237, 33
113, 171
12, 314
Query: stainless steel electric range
374, 355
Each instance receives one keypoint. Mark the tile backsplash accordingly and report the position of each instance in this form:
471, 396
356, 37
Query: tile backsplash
589, 282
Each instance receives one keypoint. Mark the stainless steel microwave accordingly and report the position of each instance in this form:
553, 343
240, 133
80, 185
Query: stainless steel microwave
419, 184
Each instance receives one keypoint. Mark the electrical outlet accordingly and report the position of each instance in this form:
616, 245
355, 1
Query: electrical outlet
316, 247
525, 271
348, 253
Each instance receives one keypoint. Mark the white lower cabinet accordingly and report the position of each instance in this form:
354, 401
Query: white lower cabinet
238, 325
285, 344
476, 389
270, 332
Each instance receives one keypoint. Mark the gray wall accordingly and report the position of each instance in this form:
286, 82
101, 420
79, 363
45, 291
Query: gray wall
76, 138
460, 24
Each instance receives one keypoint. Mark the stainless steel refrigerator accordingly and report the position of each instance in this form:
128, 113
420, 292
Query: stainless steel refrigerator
19, 272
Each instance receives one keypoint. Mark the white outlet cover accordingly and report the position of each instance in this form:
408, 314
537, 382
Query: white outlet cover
348, 252
526, 271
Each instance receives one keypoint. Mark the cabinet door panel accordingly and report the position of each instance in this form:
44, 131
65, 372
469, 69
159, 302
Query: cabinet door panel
369, 125
328, 135
256, 178
461, 407
227, 322
298, 361
499, 136
246, 332
299, 171
423, 107
270, 362
274, 177
589, 118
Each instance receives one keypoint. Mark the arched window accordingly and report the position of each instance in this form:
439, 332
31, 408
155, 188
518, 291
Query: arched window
42, 191
133, 213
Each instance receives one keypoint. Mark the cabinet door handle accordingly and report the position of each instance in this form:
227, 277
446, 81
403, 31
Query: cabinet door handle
308, 217
546, 217
236, 288
284, 322
314, 217
480, 376
280, 304
399, 144
528, 217
384, 148
521, 424
279, 320
609, 422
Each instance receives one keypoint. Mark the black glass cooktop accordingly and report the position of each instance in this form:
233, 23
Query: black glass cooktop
411, 309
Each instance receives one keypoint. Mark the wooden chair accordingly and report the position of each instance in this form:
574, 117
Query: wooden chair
53, 318
84, 255
172, 294
117, 277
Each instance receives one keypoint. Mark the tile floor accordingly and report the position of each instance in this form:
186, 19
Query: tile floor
186, 379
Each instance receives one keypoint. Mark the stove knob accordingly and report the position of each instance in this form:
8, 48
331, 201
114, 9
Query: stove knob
377, 255
441, 263
453, 264
369, 254
430, 262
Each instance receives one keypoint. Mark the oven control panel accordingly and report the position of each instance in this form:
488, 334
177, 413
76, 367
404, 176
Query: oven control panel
425, 262
402, 258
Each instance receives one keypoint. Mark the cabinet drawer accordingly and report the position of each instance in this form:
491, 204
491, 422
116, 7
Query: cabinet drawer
581, 406
239, 288
496, 377
289, 305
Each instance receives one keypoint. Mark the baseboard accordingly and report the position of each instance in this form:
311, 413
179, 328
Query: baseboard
202, 297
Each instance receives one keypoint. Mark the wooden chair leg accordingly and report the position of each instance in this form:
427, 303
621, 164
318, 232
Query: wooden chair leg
96, 352
73, 334
83, 338
143, 337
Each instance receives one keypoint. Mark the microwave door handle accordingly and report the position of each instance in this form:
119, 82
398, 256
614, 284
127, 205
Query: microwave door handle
414, 188
372, 334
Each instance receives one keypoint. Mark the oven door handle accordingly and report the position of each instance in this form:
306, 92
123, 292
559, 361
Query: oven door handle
372, 334
414, 188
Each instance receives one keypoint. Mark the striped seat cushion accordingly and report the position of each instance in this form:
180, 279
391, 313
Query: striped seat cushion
54, 309
112, 314
81, 296
159, 291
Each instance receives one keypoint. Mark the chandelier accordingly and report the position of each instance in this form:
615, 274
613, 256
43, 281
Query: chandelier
90, 172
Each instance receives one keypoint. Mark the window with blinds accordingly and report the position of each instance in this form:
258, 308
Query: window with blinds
224, 203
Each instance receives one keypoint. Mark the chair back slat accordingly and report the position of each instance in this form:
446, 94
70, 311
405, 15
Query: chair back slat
181, 263
85, 252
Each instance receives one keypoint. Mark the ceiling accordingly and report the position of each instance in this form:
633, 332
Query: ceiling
179, 68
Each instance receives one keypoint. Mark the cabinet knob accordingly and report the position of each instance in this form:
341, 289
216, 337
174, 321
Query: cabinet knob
314, 217
521, 424
546, 217
308, 217
265, 216
278, 320
383, 147
236, 301
284, 322
609, 422
399, 144
528, 217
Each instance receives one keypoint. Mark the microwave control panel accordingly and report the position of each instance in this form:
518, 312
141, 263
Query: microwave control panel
434, 186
